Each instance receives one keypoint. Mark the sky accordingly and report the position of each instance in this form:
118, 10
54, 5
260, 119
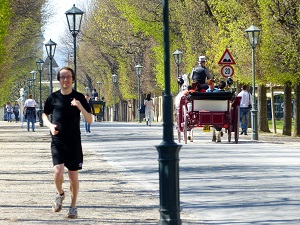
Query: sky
57, 23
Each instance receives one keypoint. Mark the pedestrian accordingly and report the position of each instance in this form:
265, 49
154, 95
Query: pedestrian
87, 125
94, 94
200, 73
16, 110
29, 112
9, 111
245, 106
149, 112
211, 86
65, 106
102, 109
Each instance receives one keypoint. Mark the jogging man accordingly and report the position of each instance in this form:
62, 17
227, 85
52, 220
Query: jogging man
65, 106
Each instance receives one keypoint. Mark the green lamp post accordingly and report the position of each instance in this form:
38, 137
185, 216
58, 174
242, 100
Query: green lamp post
39, 66
74, 18
253, 34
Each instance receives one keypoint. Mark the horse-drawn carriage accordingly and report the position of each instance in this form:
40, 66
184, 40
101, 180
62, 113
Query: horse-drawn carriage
203, 109
97, 109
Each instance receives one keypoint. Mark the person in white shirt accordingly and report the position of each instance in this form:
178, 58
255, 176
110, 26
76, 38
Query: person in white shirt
244, 108
29, 112
149, 113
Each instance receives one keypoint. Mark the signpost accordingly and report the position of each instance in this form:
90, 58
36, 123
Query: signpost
227, 71
227, 60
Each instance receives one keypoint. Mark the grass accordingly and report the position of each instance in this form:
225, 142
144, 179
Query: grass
279, 124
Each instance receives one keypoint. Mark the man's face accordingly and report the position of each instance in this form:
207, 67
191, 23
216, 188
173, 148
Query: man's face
66, 80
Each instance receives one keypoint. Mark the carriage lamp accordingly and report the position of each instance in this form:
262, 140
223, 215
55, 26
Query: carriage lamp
252, 34
229, 81
74, 18
178, 58
138, 69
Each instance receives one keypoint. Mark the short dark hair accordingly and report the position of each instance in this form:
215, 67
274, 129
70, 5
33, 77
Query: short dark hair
222, 85
66, 68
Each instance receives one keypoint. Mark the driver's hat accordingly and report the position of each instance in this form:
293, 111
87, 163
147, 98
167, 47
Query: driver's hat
202, 58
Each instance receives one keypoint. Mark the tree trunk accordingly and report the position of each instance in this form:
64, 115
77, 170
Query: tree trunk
287, 110
296, 110
262, 109
273, 110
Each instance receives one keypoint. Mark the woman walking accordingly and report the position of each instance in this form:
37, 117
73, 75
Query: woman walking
149, 113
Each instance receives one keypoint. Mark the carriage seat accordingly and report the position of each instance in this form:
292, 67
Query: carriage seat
211, 101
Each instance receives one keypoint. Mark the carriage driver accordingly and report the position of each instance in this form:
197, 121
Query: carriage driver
200, 73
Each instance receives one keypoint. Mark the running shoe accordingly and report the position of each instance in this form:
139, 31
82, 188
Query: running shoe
72, 213
58, 202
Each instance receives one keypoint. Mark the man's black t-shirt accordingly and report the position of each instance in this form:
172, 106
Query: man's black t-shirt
65, 116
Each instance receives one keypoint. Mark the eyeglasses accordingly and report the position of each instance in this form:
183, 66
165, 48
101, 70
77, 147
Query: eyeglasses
65, 77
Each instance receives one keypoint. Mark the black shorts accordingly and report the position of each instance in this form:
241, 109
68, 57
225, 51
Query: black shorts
69, 154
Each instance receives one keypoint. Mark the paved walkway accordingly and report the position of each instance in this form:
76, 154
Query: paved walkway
110, 194
27, 190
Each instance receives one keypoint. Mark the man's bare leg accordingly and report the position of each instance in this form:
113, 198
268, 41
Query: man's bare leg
59, 177
74, 187
58, 171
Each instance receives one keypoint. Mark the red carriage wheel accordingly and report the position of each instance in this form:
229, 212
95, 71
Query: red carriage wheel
185, 123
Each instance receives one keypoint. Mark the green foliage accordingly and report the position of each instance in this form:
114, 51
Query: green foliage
4, 24
20, 33
196, 28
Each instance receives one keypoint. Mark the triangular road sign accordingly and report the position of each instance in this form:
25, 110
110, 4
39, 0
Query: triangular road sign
226, 58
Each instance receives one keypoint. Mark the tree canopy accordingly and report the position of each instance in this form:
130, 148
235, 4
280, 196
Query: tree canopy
117, 35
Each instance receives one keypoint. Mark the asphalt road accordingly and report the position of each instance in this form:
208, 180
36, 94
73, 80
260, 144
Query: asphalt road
252, 182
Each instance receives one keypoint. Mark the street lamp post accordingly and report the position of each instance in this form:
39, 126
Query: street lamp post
138, 69
99, 85
87, 90
50, 48
253, 34
74, 18
168, 150
178, 58
39, 66
114, 80
29, 84
33, 73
